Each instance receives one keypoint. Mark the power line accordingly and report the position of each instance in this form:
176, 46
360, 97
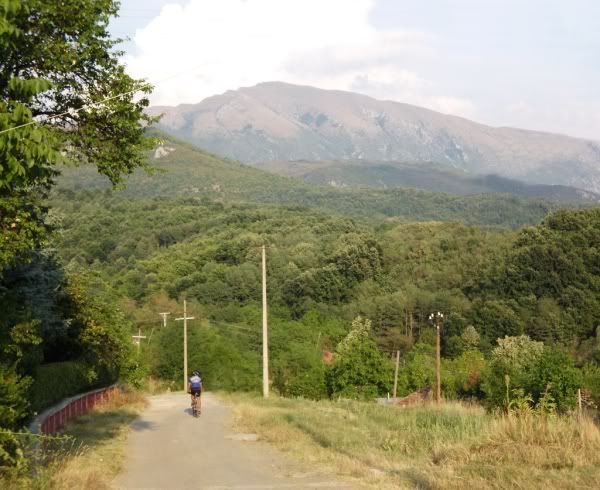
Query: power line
100, 102
73, 111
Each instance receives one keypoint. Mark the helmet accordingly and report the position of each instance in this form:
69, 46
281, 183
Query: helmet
196, 373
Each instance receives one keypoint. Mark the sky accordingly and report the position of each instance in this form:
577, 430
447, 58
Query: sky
533, 64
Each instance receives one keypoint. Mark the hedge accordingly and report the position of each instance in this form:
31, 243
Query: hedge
53, 382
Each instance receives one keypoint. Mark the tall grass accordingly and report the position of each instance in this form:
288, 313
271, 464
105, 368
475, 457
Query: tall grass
430, 446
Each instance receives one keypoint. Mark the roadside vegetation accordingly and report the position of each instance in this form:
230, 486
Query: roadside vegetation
88, 453
453, 445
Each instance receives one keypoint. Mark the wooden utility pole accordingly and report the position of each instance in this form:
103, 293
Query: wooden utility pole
138, 338
265, 326
185, 318
438, 363
164, 317
436, 319
396, 373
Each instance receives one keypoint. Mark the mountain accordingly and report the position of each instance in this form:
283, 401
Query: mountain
279, 121
183, 171
421, 175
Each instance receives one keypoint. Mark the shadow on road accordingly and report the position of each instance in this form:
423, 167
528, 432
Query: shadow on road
139, 425
189, 412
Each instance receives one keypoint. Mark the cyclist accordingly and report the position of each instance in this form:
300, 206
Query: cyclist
195, 388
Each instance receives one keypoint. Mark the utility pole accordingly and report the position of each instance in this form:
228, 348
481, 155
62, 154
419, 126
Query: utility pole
138, 338
396, 373
164, 317
265, 326
436, 320
185, 318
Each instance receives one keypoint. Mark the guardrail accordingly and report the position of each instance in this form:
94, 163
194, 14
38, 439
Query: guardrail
55, 418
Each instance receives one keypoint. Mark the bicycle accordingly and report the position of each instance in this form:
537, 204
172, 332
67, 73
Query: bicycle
195, 411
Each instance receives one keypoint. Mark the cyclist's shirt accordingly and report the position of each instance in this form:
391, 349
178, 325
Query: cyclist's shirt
196, 383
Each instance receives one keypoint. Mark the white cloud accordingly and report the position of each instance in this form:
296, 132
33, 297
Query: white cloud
206, 47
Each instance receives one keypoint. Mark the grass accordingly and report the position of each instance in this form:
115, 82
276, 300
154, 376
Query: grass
92, 453
103, 433
430, 447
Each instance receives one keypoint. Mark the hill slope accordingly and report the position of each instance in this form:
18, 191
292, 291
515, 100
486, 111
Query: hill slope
185, 171
278, 121
417, 175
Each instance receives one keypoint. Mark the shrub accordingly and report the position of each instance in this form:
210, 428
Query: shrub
555, 372
466, 372
53, 382
512, 357
359, 370
300, 371
591, 381
13, 403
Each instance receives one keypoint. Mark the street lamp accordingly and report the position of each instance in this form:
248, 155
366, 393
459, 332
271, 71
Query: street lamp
436, 319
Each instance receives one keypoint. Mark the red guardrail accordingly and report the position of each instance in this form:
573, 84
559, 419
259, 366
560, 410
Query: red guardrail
75, 407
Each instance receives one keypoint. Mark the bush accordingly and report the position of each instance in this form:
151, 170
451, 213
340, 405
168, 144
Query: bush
554, 371
53, 382
13, 404
513, 357
591, 381
419, 368
465, 374
359, 370
300, 371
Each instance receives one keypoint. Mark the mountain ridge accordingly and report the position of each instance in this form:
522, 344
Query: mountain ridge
279, 121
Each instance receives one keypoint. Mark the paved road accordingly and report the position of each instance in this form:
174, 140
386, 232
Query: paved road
169, 449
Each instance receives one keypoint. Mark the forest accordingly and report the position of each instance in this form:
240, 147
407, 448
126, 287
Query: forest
530, 293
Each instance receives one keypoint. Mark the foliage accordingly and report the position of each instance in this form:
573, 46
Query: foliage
300, 371
462, 376
554, 373
54, 381
332, 267
104, 337
64, 98
194, 172
60, 67
536, 374
591, 380
508, 368
221, 361
358, 369
13, 402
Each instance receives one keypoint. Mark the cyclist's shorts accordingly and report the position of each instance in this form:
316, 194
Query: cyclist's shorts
196, 391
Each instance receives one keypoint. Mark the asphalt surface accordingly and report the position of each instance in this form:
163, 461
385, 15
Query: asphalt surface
170, 449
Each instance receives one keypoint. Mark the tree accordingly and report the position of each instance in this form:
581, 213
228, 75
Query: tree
359, 370
64, 97
510, 363
497, 318
63, 68
554, 371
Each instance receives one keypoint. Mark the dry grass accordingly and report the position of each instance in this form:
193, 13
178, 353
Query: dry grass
97, 452
450, 446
